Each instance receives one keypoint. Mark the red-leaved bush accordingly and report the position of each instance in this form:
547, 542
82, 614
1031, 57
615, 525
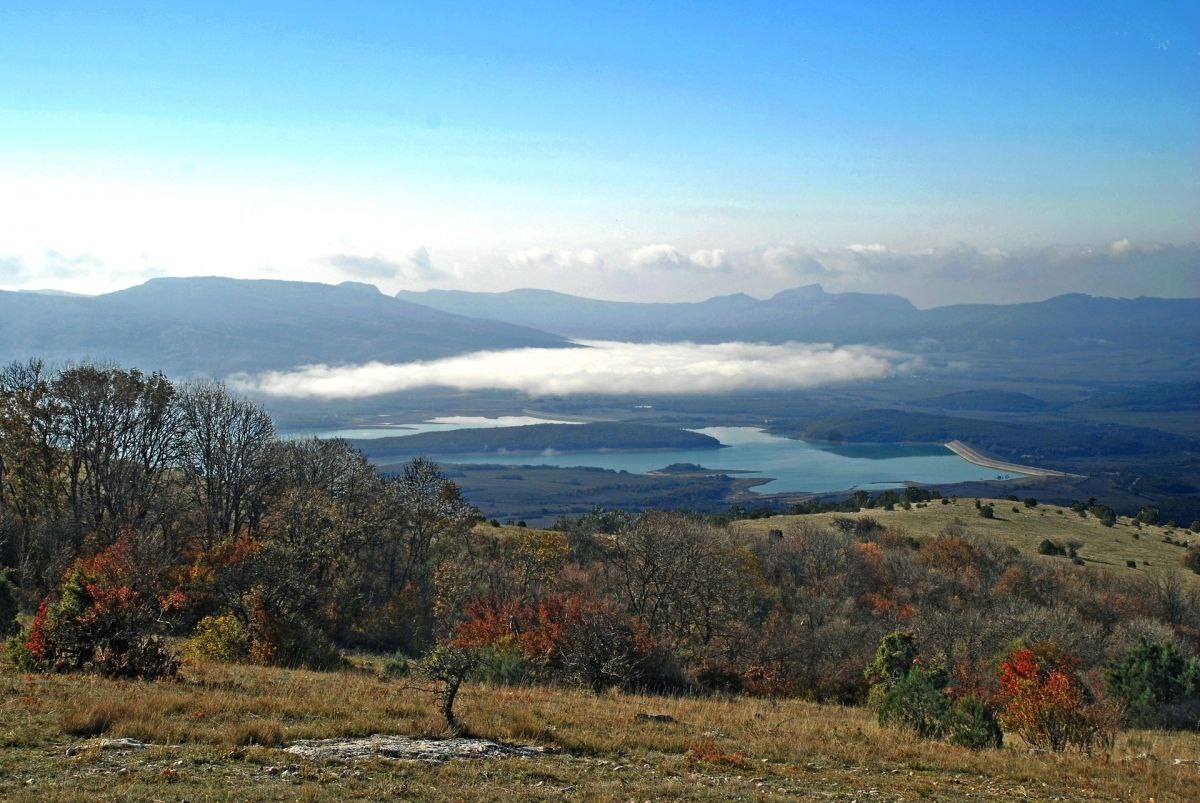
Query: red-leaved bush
101, 621
1043, 699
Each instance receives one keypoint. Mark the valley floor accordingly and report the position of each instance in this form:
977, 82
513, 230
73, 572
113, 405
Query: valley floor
207, 733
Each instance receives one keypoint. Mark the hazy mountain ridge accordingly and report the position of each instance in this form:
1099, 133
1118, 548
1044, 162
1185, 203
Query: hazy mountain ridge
1165, 332
737, 316
220, 326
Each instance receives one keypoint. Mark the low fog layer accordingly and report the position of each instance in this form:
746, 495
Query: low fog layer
598, 367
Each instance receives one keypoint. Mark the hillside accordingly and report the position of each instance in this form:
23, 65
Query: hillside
1025, 529
996, 401
1170, 396
1058, 440
535, 438
217, 326
540, 494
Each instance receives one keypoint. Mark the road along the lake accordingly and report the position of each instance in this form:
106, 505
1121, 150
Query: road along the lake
978, 458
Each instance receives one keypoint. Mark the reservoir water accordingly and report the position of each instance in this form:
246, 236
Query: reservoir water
792, 465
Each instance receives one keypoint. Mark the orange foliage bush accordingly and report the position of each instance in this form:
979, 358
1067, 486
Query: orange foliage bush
105, 619
1043, 698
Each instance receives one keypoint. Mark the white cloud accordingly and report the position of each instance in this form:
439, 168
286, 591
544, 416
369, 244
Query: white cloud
790, 263
599, 367
667, 257
542, 258
658, 256
12, 270
417, 267
712, 259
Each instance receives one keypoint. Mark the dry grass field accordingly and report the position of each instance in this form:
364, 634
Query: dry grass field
1025, 528
216, 734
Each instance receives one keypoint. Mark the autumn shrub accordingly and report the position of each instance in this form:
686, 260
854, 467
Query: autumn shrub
293, 641
602, 648
512, 632
1043, 698
1157, 685
100, 622
223, 638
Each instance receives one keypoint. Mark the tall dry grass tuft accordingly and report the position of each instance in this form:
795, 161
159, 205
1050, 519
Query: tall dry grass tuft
94, 718
705, 749
263, 733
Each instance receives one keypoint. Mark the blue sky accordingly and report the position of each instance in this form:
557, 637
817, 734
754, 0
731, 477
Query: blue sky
496, 145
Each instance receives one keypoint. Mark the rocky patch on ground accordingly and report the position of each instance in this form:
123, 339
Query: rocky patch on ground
407, 748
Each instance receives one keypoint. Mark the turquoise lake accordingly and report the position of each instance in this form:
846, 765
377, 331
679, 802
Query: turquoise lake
792, 465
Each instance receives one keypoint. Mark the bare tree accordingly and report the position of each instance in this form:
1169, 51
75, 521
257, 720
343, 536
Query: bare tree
121, 431
684, 579
226, 450
31, 475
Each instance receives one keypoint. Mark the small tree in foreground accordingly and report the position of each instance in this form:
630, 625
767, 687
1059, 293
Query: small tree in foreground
446, 667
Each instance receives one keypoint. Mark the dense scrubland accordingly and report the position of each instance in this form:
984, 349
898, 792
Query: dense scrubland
182, 572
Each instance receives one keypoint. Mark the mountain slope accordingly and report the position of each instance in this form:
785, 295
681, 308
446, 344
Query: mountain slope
220, 326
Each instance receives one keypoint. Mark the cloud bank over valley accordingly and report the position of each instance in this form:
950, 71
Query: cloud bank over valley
604, 367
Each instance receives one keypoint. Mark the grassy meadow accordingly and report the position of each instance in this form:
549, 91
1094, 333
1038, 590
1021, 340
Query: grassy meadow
1025, 528
217, 729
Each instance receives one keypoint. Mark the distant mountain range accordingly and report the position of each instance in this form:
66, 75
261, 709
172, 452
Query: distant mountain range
1101, 336
798, 314
217, 326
